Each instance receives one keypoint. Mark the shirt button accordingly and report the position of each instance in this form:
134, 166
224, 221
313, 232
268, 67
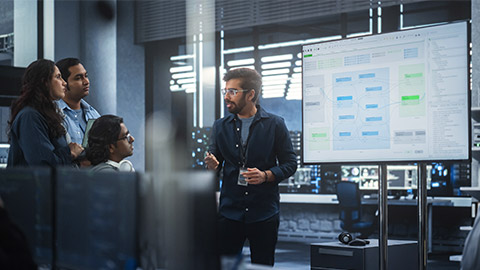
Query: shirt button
246, 192
236, 145
246, 209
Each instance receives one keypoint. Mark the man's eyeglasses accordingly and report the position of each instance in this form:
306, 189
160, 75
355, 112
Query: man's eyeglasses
128, 137
232, 91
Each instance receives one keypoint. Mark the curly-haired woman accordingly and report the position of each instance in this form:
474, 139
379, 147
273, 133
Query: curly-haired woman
36, 134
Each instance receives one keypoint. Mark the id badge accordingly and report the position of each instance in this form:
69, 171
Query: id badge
241, 179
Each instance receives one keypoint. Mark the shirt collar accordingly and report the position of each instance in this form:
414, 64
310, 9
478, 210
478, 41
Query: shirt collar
261, 113
62, 105
113, 163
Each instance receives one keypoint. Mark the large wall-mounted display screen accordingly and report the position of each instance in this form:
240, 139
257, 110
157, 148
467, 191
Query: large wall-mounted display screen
399, 96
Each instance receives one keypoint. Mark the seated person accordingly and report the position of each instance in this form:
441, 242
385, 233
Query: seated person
109, 142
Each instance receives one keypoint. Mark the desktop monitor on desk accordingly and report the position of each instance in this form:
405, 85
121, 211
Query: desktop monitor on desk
27, 197
400, 179
96, 220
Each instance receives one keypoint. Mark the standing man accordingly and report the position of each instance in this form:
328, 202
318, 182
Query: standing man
76, 110
256, 153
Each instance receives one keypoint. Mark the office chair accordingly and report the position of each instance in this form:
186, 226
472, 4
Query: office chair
350, 209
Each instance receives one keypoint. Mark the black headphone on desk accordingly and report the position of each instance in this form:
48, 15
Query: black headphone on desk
347, 239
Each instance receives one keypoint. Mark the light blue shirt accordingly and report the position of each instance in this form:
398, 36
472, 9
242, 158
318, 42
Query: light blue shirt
73, 125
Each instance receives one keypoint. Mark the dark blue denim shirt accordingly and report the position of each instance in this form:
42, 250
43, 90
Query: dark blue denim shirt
30, 144
269, 148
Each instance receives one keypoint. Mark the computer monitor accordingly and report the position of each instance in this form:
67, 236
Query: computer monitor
399, 178
189, 214
27, 196
96, 220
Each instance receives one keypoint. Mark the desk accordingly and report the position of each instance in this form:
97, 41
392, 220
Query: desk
335, 255
472, 191
329, 202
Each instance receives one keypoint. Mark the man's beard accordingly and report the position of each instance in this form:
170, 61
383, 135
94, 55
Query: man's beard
236, 108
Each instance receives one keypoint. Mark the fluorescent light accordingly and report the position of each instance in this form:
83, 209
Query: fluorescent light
273, 95
181, 69
275, 71
298, 63
296, 75
295, 86
277, 65
358, 34
281, 44
250, 67
297, 69
183, 75
276, 82
275, 78
274, 87
299, 55
181, 57
239, 50
172, 82
241, 62
274, 58
293, 97
189, 87
297, 91
185, 81
296, 42
175, 88
296, 80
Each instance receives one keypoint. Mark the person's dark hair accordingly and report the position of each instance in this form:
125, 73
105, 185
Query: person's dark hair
35, 92
104, 131
64, 64
249, 77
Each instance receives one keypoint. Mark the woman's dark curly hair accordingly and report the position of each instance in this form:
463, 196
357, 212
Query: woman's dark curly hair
35, 93
105, 131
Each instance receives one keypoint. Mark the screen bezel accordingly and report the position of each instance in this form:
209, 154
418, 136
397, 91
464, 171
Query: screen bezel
397, 161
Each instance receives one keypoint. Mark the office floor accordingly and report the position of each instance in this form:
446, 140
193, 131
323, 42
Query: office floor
292, 255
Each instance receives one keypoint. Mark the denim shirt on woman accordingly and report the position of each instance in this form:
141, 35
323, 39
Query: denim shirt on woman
268, 148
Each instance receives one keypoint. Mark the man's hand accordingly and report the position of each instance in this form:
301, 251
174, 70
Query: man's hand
211, 161
254, 176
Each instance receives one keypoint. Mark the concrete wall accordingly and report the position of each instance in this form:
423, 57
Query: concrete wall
102, 37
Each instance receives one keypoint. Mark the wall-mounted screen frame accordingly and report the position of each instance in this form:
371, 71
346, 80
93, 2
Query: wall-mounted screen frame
395, 97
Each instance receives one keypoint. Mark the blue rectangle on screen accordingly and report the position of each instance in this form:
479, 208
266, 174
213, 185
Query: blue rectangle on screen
344, 98
376, 88
372, 119
369, 133
344, 117
410, 53
371, 106
366, 75
344, 134
344, 79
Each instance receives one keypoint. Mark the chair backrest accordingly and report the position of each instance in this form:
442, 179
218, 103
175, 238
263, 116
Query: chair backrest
349, 202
